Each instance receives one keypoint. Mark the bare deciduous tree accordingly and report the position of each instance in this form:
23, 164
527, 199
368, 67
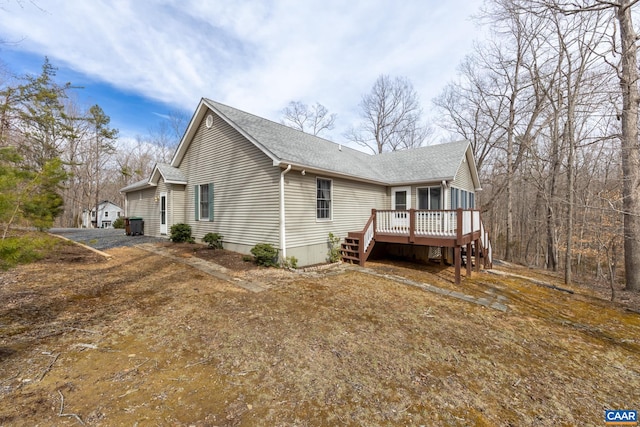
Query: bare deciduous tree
473, 109
535, 102
392, 117
626, 55
312, 119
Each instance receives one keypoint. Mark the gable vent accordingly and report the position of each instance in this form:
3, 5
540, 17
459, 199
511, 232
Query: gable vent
209, 121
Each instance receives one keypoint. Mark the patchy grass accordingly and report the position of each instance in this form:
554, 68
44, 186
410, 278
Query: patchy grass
142, 340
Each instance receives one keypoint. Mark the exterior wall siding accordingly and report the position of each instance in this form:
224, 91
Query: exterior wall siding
307, 237
463, 178
176, 205
142, 203
246, 187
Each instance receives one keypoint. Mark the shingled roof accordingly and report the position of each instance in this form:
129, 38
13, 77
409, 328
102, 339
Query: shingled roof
169, 174
288, 146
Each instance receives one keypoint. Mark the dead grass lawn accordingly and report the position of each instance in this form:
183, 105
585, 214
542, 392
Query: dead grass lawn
139, 340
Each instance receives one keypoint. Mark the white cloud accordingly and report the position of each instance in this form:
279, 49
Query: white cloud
254, 55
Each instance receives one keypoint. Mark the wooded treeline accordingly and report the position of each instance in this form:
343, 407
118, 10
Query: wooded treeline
543, 102
59, 158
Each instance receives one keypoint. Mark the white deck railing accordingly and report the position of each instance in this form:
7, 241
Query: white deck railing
394, 222
470, 221
486, 243
435, 223
426, 222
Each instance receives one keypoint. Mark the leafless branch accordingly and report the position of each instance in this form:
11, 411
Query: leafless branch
61, 412
48, 368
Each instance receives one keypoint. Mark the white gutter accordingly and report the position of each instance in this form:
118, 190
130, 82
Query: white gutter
283, 234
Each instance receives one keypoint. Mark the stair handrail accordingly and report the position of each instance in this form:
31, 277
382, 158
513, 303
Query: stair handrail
367, 235
368, 232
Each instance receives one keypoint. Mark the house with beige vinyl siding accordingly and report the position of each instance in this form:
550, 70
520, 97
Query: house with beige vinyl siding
256, 181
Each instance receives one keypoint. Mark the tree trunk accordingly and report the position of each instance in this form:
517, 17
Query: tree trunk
570, 194
509, 243
629, 147
552, 233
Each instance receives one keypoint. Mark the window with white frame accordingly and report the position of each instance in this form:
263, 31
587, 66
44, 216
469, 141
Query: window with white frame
106, 214
204, 202
323, 198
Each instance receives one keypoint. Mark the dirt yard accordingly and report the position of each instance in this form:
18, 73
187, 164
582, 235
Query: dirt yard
143, 340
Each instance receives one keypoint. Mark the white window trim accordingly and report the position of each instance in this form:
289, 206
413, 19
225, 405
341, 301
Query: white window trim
330, 219
200, 217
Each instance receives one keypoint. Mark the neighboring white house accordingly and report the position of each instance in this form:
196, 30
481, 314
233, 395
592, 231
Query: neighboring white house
107, 213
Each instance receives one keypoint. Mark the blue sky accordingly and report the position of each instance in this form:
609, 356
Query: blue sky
142, 59
132, 112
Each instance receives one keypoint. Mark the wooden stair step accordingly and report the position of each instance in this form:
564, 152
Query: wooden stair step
349, 253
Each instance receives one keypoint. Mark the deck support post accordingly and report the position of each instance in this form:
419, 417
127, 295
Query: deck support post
457, 260
477, 246
469, 262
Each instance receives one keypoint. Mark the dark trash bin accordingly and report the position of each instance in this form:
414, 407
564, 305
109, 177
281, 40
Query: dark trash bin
134, 226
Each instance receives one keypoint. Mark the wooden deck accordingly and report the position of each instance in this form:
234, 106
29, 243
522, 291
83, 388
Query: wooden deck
460, 229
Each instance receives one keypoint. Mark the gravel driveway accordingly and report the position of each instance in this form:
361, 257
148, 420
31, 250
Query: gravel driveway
103, 238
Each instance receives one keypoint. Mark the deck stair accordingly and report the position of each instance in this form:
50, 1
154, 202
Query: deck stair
350, 250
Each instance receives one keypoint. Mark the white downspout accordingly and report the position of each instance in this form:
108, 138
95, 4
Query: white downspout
445, 196
283, 234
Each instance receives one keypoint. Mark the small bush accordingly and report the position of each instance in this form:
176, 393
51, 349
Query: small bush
265, 254
181, 233
118, 223
247, 258
24, 249
214, 240
334, 254
290, 262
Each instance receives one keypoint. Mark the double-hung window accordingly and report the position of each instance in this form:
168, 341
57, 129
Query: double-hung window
323, 199
203, 195
204, 202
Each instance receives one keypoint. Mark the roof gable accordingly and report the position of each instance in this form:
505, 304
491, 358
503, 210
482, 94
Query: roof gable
169, 174
103, 205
